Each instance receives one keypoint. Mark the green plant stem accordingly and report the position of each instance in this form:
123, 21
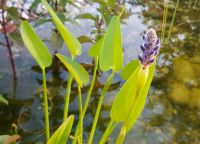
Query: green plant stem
67, 96
165, 13
122, 135
106, 86
110, 128
45, 105
80, 115
172, 22
87, 97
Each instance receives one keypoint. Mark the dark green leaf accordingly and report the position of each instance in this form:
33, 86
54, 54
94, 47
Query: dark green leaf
16, 39
86, 16
13, 13
41, 21
84, 39
56, 40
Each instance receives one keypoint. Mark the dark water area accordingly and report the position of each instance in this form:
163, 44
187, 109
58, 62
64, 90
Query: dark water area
172, 111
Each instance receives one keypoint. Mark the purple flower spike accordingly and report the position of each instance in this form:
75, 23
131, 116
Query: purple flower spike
150, 48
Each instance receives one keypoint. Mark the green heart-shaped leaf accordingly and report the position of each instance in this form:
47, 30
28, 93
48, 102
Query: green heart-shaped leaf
76, 70
111, 55
35, 46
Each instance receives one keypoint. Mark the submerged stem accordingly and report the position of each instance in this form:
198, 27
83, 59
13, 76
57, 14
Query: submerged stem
87, 97
45, 105
67, 96
106, 86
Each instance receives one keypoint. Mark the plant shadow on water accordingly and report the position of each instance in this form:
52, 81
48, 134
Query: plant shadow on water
172, 111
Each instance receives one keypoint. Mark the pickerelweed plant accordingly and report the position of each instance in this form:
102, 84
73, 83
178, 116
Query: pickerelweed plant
108, 55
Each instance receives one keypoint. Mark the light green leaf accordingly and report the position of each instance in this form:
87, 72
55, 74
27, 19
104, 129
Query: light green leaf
77, 71
62, 133
140, 102
35, 46
95, 49
3, 100
69, 39
123, 100
111, 55
129, 69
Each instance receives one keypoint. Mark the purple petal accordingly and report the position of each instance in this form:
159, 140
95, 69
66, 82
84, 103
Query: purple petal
146, 46
145, 56
143, 37
140, 58
156, 48
142, 48
150, 61
158, 41
151, 52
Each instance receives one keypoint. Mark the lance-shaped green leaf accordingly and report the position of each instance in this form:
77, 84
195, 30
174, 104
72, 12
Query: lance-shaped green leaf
111, 55
69, 39
3, 100
141, 99
123, 100
77, 71
35, 46
95, 49
62, 133
129, 69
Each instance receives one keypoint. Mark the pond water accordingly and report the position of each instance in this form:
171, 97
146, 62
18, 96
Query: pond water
172, 111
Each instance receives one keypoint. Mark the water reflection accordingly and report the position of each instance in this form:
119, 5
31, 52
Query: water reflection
171, 114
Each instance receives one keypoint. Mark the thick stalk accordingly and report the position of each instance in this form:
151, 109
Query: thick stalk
172, 22
87, 97
122, 135
45, 105
106, 86
67, 96
80, 115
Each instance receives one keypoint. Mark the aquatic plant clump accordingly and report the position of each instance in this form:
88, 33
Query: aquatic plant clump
150, 48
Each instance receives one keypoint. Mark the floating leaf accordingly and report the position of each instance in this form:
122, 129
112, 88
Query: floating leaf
35, 46
129, 69
62, 133
111, 55
95, 49
69, 39
77, 71
3, 100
